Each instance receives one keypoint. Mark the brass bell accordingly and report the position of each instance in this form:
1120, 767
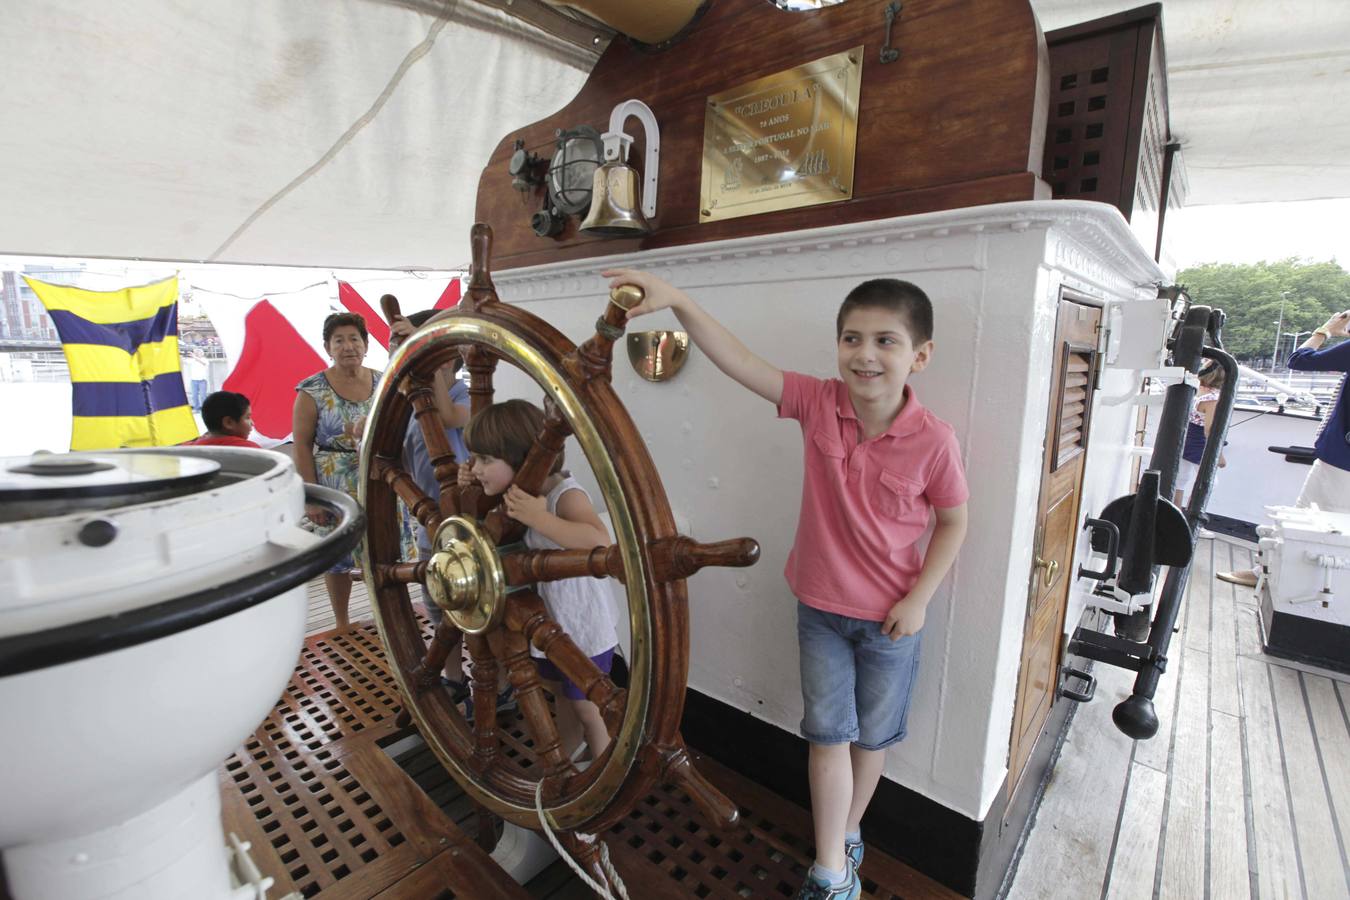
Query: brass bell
618, 208
615, 203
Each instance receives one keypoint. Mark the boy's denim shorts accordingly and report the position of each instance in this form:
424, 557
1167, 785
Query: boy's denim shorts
856, 681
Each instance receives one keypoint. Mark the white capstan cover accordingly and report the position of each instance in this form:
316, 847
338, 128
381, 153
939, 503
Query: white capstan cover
162, 549
108, 775
105, 758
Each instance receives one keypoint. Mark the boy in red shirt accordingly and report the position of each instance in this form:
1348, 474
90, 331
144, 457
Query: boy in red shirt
229, 421
876, 463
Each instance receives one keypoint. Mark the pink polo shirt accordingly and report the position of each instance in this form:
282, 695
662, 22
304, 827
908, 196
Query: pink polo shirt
865, 504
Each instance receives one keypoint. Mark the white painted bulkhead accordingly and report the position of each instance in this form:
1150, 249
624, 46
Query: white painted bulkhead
731, 468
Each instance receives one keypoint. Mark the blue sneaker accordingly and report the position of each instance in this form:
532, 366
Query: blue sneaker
854, 851
813, 889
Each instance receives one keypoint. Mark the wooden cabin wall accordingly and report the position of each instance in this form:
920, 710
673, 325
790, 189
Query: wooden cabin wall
957, 121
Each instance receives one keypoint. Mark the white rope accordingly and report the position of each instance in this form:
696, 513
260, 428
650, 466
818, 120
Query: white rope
605, 863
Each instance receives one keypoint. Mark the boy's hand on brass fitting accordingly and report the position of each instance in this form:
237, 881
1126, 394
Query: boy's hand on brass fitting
657, 294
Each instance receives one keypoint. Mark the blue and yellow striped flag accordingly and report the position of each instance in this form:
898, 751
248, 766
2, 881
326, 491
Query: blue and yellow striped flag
122, 350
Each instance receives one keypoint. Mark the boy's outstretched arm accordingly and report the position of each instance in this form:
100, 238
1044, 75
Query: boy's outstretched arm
907, 615
723, 348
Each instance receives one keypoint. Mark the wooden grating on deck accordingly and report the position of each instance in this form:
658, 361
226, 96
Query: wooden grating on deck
332, 815
328, 812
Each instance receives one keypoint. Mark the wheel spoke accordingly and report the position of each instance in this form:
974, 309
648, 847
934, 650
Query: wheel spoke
481, 364
480, 290
585, 849
538, 566
473, 502
469, 499
520, 669
428, 671
526, 614
533, 472
593, 359
544, 453
401, 573
442, 458
680, 556
487, 741
422, 507
677, 768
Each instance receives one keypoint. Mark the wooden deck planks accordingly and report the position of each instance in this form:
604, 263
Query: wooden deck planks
1274, 855
1157, 752
1197, 604
1229, 866
1072, 850
321, 616
1319, 849
1135, 863
1333, 739
1185, 853
1244, 793
1223, 678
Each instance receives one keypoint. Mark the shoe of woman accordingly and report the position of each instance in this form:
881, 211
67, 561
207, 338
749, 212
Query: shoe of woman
1243, 579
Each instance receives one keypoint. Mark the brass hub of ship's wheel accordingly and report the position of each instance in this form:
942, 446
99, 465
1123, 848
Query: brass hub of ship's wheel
464, 576
485, 579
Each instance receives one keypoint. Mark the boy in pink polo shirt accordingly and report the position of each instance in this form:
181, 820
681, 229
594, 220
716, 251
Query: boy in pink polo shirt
877, 463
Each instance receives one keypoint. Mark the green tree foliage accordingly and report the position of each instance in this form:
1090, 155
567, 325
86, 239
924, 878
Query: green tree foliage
1252, 296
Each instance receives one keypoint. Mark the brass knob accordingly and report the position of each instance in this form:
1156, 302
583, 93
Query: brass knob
626, 296
1051, 567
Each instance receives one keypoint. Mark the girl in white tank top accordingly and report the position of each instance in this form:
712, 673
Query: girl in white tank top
500, 438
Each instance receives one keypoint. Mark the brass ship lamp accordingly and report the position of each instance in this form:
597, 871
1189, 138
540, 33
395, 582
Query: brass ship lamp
567, 181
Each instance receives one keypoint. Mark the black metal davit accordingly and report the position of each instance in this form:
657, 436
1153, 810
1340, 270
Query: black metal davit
1141, 532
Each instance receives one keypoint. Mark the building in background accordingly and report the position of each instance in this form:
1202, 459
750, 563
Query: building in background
22, 316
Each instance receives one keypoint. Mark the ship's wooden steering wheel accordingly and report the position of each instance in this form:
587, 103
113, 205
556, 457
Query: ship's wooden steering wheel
481, 574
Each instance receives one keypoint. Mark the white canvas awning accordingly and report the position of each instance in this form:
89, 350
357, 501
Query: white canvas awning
304, 132
353, 132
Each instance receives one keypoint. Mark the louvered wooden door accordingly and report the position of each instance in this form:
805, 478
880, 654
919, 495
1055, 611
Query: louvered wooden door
1070, 415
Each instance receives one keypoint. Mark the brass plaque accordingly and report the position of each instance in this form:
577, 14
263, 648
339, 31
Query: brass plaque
782, 141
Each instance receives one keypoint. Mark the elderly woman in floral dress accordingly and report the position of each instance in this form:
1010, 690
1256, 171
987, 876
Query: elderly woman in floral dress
327, 423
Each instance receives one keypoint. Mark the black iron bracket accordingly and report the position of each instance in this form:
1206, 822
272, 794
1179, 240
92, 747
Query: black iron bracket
1089, 685
1112, 533
890, 54
1114, 651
